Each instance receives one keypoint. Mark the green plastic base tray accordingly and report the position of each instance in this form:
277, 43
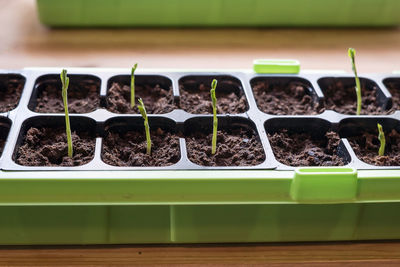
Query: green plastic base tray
196, 207
198, 223
122, 205
219, 12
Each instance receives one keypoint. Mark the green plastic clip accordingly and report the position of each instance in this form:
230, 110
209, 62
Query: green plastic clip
323, 185
284, 66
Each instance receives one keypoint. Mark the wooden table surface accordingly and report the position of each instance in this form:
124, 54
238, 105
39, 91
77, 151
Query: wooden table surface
24, 42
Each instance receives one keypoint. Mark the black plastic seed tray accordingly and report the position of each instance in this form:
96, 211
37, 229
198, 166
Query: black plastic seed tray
254, 116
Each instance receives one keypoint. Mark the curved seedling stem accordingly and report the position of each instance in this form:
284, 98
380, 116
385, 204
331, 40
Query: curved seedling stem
133, 85
65, 84
382, 140
352, 53
215, 119
142, 110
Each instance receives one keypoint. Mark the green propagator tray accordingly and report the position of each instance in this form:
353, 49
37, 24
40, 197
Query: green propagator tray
118, 13
101, 203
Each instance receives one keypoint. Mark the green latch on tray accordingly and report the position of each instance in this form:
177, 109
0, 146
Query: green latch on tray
284, 66
322, 185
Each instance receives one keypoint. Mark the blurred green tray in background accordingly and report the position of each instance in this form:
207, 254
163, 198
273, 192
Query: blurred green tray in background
120, 13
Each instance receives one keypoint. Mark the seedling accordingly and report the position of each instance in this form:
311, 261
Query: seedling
133, 85
215, 119
382, 140
352, 53
65, 84
142, 110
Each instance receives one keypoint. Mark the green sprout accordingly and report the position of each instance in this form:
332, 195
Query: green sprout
215, 119
133, 85
142, 110
382, 140
352, 53
65, 84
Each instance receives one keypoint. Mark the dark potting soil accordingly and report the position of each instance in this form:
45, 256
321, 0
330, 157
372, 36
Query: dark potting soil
394, 89
343, 99
296, 149
48, 147
367, 146
238, 147
83, 97
289, 99
198, 101
157, 100
10, 94
129, 149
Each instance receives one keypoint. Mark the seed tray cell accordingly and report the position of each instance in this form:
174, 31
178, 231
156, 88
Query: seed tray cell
306, 142
155, 90
83, 92
286, 96
5, 125
36, 134
194, 94
176, 198
11, 86
339, 93
393, 85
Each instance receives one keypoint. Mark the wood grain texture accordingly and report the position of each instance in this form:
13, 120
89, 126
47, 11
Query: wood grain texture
303, 254
24, 42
